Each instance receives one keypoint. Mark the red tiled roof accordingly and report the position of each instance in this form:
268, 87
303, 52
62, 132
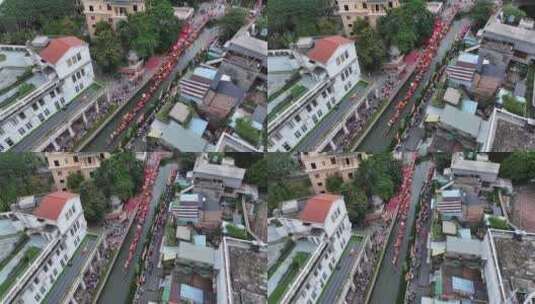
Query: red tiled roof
51, 205
58, 47
317, 208
324, 48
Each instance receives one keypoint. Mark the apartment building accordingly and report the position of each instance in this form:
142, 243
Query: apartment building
62, 164
216, 179
369, 10
321, 232
319, 166
110, 11
54, 226
324, 70
38, 81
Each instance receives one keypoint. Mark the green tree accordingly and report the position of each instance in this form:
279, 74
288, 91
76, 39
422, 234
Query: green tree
232, 22
121, 175
74, 180
481, 12
379, 175
94, 202
168, 26
512, 12
334, 183
257, 174
19, 15
356, 202
519, 167
19, 177
106, 48
370, 48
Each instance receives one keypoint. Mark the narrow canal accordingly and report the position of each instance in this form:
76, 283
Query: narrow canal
118, 284
100, 142
380, 137
388, 281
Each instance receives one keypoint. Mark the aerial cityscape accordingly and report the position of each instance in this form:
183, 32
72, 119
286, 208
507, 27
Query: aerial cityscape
267, 152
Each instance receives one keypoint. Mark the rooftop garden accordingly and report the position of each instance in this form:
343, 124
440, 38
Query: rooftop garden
2, 57
289, 83
245, 129
163, 114
30, 255
23, 239
23, 90
498, 223
236, 232
284, 253
294, 93
511, 104
170, 233
298, 262
20, 79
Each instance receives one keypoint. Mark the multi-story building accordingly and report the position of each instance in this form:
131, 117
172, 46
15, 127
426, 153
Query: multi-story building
319, 166
323, 72
321, 233
62, 164
36, 85
215, 180
54, 227
369, 10
503, 43
110, 11
509, 266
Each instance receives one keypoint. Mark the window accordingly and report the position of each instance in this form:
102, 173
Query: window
364, 5
1, 148
9, 142
41, 102
109, 7
297, 118
320, 113
41, 117
77, 88
324, 94
277, 136
75, 158
35, 107
56, 163
22, 131
314, 119
297, 134
78, 75
69, 61
22, 115
309, 108
37, 297
73, 78
83, 71
346, 7
304, 128
135, 8
333, 161
314, 103
47, 112
286, 146
29, 125
91, 9
2, 132
14, 121
45, 268
79, 56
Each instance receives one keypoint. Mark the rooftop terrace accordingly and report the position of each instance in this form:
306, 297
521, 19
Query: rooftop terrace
248, 279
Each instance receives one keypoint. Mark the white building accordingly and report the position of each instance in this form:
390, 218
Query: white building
325, 70
37, 85
56, 226
323, 231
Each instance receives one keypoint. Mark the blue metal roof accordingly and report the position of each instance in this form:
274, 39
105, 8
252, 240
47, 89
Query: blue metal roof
191, 293
462, 285
469, 106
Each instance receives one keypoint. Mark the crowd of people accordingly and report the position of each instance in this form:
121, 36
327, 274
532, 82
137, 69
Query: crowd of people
419, 251
364, 275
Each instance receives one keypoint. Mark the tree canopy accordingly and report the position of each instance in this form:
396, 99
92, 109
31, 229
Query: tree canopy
519, 167
379, 175
120, 175
232, 22
289, 20
74, 180
481, 12
31, 14
513, 14
19, 177
406, 26
106, 48
370, 47
93, 200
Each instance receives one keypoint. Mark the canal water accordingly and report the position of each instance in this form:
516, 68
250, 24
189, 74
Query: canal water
118, 284
381, 135
99, 143
388, 281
